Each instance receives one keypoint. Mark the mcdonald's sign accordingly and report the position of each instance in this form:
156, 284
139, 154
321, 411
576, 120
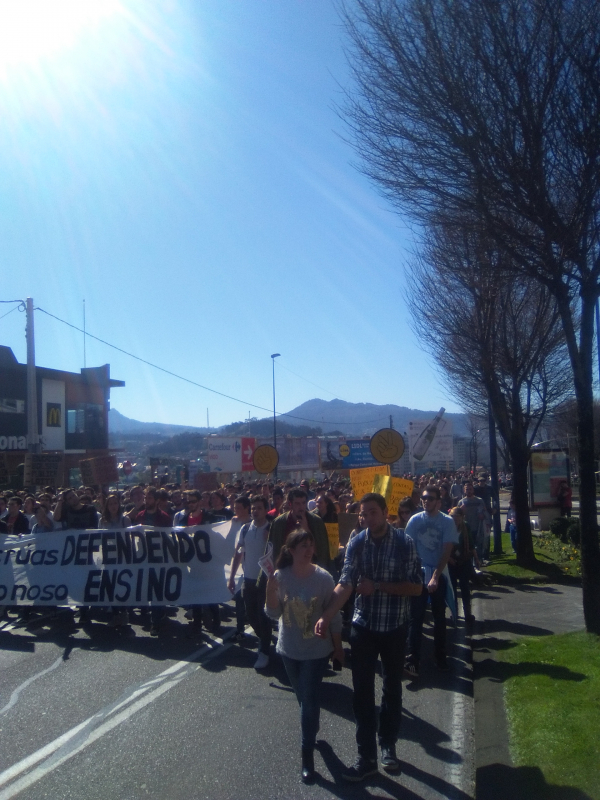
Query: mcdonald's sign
53, 415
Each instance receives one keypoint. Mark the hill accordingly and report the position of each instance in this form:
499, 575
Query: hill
362, 419
309, 419
118, 423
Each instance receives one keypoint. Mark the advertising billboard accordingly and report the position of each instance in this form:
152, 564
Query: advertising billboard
345, 453
430, 441
548, 469
295, 452
231, 453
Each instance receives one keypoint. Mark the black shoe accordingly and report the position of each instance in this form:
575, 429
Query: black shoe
360, 770
388, 759
194, 630
154, 629
308, 765
411, 671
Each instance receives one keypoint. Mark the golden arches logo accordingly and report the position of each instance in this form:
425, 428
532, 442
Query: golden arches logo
53, 415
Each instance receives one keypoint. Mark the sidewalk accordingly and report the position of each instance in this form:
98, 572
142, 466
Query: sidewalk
504, 613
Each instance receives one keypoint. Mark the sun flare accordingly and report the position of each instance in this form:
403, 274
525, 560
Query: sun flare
34, 30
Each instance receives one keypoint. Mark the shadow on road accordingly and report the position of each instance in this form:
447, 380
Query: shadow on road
498, 781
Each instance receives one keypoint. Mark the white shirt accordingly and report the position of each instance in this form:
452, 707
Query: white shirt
253, 548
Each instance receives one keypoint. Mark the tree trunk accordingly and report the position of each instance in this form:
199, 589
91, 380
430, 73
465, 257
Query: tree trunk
520, 462
590, 549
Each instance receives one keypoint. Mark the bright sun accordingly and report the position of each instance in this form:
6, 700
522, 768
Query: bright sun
32, 30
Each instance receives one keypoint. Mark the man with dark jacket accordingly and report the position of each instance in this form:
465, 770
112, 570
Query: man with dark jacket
71, 514
16, 521
150, 513
299, 518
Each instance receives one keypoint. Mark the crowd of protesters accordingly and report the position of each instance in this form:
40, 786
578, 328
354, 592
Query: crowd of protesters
396, 561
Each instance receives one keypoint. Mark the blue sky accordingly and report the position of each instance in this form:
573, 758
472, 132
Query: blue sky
180, 165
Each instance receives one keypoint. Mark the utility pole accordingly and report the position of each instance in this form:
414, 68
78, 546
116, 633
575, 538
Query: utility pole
33, 437
391, 422
84, 355
273, 357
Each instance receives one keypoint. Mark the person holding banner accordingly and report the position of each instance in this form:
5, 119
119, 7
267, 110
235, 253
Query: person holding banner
193, 515
16, 521
297, 594
75, 515
112, 514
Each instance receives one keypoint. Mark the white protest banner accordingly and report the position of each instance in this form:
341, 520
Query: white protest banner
137, 566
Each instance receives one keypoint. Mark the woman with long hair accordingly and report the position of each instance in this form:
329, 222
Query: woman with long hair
297, 595
112, 514
460, 563
112, 519
326, 508
446, 498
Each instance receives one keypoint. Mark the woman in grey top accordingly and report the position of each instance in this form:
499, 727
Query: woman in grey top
297, 594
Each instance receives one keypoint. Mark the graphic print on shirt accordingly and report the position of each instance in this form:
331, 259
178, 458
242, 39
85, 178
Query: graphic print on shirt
430, 538
303, 614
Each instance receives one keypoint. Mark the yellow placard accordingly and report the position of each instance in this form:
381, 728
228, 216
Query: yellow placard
362, 479
333, 534
393, 489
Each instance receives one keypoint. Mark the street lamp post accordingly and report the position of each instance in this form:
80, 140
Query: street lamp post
273, 357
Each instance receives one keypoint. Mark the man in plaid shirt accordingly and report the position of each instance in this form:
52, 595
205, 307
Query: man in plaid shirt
383, 567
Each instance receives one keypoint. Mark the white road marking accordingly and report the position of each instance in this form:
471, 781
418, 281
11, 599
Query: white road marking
52, 755
15, 695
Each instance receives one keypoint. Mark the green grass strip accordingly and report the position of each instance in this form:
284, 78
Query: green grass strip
552, 695
557, 561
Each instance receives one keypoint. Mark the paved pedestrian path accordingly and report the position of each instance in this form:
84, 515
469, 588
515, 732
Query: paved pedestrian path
505, 613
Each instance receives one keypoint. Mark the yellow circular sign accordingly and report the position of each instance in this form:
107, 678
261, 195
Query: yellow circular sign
344, 450
265, 459
387, 446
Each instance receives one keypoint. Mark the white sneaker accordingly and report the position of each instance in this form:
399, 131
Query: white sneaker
262, 661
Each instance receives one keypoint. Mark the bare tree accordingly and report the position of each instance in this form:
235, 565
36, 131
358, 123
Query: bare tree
491, 108
498, 339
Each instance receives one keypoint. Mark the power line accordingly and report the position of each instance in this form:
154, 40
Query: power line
282, 366
194, 383
9, 312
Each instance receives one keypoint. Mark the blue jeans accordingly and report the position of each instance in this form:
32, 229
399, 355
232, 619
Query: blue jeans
306, 677
417, 614
366, 646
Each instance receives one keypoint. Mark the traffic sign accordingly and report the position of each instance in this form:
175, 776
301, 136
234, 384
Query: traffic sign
266, 459
387, 446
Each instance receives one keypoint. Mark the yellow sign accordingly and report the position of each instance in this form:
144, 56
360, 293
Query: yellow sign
344, 450
387, 446
393, 489
362, 479
265, 459
333, 534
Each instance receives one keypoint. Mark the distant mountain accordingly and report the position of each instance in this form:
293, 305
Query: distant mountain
118, 423
351, 419
363, 419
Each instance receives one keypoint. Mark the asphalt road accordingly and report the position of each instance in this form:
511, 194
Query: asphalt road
95, 713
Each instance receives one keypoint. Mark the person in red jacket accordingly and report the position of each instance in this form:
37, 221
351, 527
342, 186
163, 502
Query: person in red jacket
565, 499
150, 514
